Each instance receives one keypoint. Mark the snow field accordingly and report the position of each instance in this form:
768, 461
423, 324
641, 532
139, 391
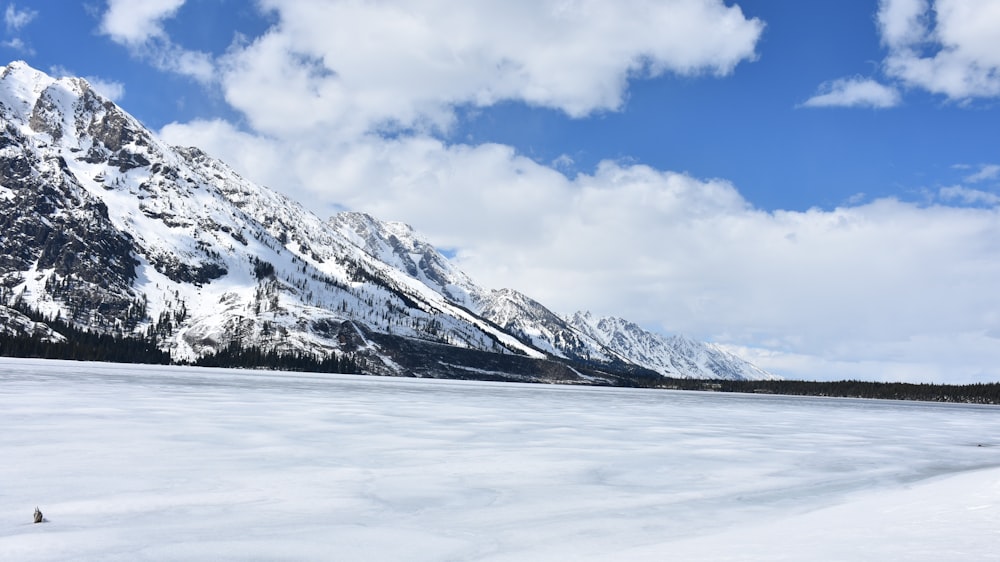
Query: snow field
132, 462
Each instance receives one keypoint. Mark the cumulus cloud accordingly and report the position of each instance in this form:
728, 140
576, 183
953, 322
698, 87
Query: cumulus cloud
854, 92
404, 65
133, 23
947, 47
139, 26
903, 22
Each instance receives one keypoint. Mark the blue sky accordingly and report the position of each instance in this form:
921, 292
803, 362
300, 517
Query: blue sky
749, 127
813, 184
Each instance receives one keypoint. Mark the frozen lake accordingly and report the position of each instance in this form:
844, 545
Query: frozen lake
132, 462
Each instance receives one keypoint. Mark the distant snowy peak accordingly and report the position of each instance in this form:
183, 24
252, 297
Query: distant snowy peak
533, 323
674, 356
609, 341
398, 245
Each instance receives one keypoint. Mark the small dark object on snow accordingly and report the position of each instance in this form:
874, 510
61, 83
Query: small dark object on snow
38, 516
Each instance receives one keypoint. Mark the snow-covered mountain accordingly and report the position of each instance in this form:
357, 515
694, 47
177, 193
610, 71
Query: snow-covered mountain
582, 338
675, 356
110, 229
398, 245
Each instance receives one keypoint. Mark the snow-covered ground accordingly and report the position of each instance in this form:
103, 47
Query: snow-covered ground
134, 462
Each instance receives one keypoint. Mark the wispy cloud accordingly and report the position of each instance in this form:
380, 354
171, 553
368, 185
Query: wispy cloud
969, 196
986, 172
854, 92
18, 44
16, 19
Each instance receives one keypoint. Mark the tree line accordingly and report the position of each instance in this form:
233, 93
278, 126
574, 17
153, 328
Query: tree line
85, 345
977, 393
236, 356
79, 344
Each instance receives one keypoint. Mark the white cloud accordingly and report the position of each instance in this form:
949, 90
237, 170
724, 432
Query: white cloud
139, 26
362, 66
18, 44
968, 196
16, 19
133, 23
110, 89
854, 92
949, 47
970, 358
903, 22
563, 162
986, 172
170, 57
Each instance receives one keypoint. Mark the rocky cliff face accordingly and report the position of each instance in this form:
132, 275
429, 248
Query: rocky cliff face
107, 227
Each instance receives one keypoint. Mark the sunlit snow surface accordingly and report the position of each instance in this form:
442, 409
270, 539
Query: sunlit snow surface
146, 463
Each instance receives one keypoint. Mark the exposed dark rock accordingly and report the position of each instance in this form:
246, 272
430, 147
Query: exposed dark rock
45, 117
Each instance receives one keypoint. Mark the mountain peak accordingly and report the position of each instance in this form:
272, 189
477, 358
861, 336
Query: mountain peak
674, 356
398, 244
25, 73
25, 84
21, 87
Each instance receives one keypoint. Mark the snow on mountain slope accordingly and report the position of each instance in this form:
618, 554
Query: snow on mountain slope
106, 226
177, 250
202, 256
527, 318
398, 245
675, 356
434, 299
607, 341
14, 323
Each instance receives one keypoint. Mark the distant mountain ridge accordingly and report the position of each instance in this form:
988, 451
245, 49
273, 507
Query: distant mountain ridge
112, 230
